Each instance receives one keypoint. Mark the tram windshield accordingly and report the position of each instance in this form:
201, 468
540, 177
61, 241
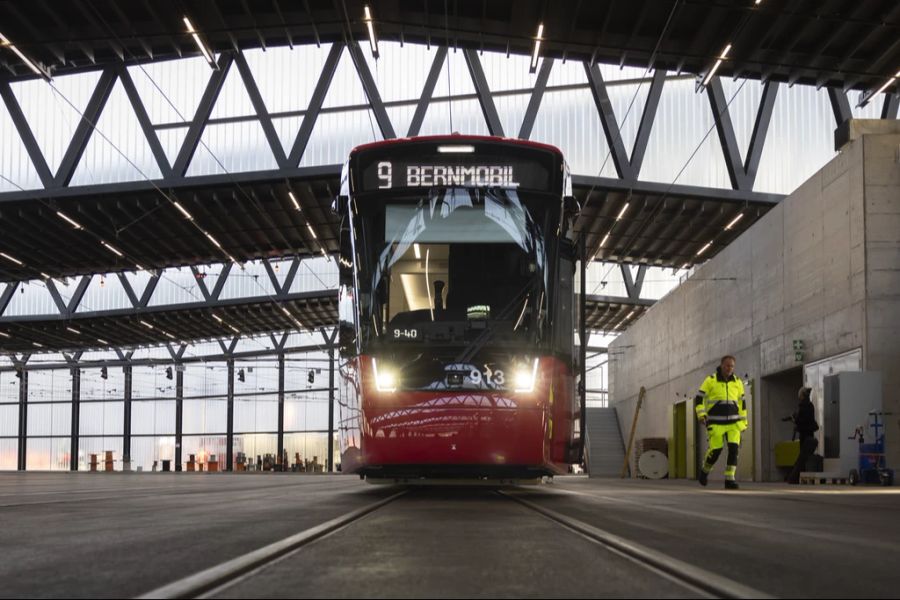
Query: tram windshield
453, 266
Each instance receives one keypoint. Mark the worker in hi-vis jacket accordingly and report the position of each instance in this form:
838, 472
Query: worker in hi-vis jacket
722, 409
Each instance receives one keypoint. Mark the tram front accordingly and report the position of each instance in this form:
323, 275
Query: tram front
456, 301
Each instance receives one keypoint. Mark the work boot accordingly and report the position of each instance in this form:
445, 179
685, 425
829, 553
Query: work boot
731, 485
703, 478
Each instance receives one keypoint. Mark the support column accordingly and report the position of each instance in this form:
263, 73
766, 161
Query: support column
76, 419
126, 425
583, 335
331, 408
23, 418
179, 413
281, 407
229, 434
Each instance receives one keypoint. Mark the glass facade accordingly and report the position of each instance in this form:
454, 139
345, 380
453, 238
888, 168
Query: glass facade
102, 398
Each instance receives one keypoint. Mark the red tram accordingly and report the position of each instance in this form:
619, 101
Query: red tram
457, 310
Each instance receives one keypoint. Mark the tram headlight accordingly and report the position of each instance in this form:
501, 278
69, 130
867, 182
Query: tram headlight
385, 378
525, 377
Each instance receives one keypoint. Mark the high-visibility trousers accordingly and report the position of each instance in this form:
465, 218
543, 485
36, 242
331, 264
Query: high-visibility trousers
718, 436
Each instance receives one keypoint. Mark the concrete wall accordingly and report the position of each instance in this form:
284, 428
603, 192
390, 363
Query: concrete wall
882, 351
822, 267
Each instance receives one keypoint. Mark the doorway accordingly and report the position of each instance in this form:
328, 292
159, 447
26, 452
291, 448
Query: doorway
778, 401
679, 443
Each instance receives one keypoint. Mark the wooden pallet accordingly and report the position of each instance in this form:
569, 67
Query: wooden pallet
823, 479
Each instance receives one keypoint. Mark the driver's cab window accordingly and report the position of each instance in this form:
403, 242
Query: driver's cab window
417, 277
461, 254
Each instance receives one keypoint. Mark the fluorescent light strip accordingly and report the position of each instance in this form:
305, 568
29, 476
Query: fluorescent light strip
704, 248
183, 210
12, 259
603, 243
112, 249
69, 220
75, 331
887, 83
38, 345
308, 226
456, 149
417, 251
218, 318
6, 335
214, 240
102, 341
373, 42
734, 221
233, 328
294, 200
622, 212
45, 276
537, 47
206, 53
146, 324
716, 66
5, 42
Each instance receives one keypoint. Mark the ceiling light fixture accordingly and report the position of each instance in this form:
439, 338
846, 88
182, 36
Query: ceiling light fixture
12, 259
716, 66
112, 249
31, 65
294, 200
373, 42
866, 99
183, 210
537, 48
70, 220
206, 52
734, 221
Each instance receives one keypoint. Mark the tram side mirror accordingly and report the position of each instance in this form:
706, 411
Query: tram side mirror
571, 209
347, 339
338, 204
568, 250
345, 260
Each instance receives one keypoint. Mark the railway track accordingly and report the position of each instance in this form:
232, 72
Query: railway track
693, 580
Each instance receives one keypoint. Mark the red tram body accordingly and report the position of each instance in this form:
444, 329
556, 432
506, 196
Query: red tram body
457, 311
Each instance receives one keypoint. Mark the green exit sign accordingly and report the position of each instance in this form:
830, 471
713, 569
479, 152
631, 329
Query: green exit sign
798, 345
798, 356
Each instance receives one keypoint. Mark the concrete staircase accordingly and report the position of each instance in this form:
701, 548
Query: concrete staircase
604, 445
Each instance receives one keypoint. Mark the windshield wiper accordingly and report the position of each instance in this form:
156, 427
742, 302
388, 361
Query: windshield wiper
479, 342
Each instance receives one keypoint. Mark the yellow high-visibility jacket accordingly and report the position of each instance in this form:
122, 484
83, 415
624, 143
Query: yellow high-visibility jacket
722, 400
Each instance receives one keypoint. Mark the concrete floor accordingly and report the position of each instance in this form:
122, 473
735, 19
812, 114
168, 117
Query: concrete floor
119, 535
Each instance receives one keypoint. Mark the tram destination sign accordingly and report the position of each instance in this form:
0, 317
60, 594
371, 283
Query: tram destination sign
388, 171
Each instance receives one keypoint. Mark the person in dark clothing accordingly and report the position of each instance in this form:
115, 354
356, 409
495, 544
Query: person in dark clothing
805, 427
